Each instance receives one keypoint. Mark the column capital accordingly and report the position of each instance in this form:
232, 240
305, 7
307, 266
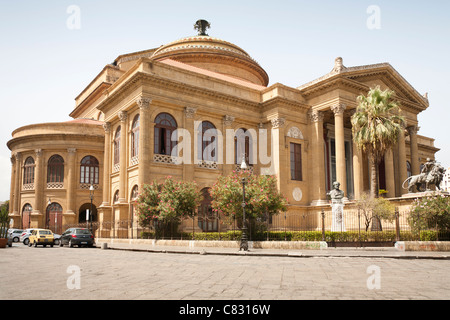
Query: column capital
278, 122
143, 102
38, 152
107, 127
338, 108
228, 120
315, 116
189, 112
412, 130
123, 116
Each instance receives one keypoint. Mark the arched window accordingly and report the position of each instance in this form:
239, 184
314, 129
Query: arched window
134, 196
28, 171
134, 193
117, 146
243, 145
55, 169
116, 197
89, 170
165, 124
135, 137
208, 140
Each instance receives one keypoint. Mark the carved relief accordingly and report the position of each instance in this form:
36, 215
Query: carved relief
228, 120
190, 112
295, 133
278, 123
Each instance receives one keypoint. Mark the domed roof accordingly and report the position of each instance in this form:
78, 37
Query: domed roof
215, 55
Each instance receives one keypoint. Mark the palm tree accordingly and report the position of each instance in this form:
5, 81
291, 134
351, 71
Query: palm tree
376, 126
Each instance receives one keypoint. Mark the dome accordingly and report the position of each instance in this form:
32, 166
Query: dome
215, 55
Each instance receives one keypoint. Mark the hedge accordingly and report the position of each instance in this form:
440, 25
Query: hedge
348, 236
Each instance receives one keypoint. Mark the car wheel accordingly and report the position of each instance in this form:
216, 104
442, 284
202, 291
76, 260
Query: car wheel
61, 244
51, 246
16, 239
29, 243
70, 244
56, 242
26, 241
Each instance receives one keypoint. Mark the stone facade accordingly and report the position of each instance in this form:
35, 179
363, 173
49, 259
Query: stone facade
199, 79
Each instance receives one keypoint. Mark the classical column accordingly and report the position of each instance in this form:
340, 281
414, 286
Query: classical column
189, 162
358, 171
12, 184
318, 159
16, 204
389, 170
403, 174
415, 166
144, 141
278, 159
123, 116
341, 173
229, 149
107, 164
71, 181
38, 208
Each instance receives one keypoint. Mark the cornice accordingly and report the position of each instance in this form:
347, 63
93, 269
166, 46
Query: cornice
158, 82
53, 139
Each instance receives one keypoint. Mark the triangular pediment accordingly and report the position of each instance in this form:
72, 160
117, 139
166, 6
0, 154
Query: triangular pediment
369, 76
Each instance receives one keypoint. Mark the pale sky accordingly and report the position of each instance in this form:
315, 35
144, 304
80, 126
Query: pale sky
48, 57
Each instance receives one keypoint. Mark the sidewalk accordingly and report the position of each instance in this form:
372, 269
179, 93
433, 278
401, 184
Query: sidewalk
368, 252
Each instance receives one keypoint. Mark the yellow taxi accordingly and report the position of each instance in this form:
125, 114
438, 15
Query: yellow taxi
42, 237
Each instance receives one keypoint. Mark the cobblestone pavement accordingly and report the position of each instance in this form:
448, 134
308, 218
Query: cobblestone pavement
84, 273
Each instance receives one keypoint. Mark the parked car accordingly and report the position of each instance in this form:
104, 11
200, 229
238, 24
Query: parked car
15, 234
42, 237
24, 236
57, 238
77, 236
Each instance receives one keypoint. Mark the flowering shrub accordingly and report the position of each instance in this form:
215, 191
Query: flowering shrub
261, 196
431, 212
168, 201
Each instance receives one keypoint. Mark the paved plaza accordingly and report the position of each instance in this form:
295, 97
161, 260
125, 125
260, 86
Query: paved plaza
92, 273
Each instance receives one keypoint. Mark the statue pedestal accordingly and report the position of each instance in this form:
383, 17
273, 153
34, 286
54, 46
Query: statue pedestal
337, 210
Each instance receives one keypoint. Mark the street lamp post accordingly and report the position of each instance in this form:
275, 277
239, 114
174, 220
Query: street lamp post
244, 240
91, 195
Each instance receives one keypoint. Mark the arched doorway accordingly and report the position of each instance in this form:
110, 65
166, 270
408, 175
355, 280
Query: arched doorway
26, 212
207, 218
82, 213
54, 217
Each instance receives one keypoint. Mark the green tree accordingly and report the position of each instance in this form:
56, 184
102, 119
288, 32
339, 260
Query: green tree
376, 126
431, 212
4, 220
261, 196
374, 210
169, 201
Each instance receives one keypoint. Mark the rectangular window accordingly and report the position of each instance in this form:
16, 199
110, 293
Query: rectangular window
296, 161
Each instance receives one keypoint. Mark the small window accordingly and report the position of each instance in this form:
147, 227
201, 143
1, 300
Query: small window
296, 161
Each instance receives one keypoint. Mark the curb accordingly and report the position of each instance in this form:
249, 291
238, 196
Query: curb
104, 246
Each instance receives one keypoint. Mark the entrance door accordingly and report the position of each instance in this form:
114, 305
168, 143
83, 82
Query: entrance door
54, 217
207, 219
26, 211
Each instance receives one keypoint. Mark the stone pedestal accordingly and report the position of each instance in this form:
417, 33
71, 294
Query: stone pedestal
337, 210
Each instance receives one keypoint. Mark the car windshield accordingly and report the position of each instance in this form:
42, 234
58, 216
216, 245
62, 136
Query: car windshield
44, 232
83, 231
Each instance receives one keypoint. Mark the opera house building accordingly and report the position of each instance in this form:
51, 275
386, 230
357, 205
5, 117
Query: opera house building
177, 110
